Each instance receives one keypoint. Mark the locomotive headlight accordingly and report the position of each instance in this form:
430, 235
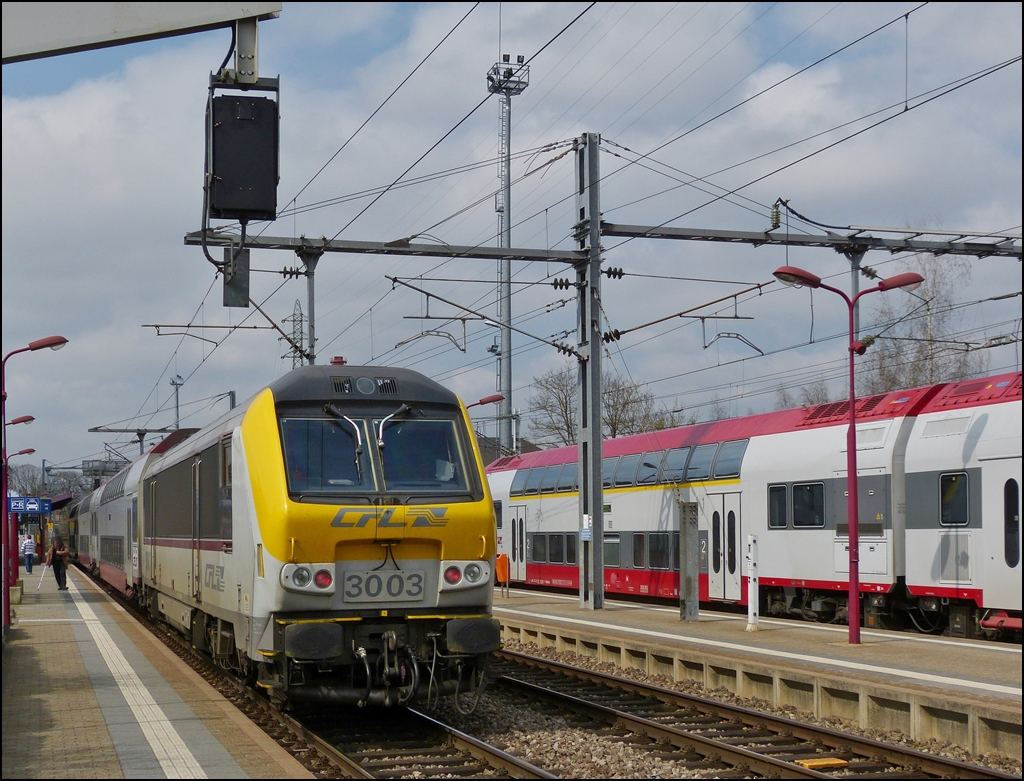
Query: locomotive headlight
323, 579
453, 575
474, 572
301, 576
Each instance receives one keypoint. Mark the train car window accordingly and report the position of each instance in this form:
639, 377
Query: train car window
647, 472
567, 479
519, 482
556, 548
730, 541
639, 552
550, 479
673, 465
570, 549
808, 505
534, 480
953, 499
699, 466
611, 550
778, 503
716, 541
730, 458
675, 551
1011, 523
626, 469
320, 456
608, 470
658, 550
497, 514
539, 548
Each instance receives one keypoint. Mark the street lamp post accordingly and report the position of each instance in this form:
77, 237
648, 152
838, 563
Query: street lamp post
797, 277
12, 551
54, 343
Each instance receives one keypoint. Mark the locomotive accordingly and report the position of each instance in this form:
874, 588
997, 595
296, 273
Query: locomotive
939, 472
331, 540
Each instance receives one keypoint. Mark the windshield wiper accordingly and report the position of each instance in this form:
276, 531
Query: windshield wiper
380, 431
330, 409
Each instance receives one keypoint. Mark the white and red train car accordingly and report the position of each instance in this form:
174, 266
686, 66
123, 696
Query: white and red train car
939, 470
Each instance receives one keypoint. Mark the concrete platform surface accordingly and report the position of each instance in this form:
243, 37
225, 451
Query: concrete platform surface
89, 693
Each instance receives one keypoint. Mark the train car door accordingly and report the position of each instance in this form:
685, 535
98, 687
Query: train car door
517, 524
197, 565
722, 517
1000, 502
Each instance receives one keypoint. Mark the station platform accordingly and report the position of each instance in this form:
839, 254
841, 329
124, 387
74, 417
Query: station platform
967, 692
89, 693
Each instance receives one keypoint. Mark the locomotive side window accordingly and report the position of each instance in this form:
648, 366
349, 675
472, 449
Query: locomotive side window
534, 480
320, 456
953, 499
225, 489
778, 503
567, 479
556, 548
638, 551
539, 548
808, 505
1011, 523
729, 460
672, 468
519, 482
647, 472
699, 467
626, 469
570, 549
658, 550
611, 550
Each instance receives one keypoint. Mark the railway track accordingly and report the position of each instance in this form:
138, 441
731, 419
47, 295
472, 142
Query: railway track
348, 742
698, 734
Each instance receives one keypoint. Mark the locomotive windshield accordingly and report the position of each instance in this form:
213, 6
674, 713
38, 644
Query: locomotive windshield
422, 456
326, 456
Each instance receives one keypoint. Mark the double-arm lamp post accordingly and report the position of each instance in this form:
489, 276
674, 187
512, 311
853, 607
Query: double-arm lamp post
11, 540
797, 277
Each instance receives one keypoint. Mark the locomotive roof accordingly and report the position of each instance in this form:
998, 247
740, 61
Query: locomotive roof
880, 406
361, 383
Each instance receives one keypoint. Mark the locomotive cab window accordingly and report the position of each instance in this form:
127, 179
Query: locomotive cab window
808, 505
953, 499
422, 456
321, 456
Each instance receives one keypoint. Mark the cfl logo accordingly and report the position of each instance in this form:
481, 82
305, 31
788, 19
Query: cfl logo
349, 518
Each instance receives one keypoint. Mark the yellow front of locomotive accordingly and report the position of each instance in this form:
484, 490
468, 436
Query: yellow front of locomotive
374, 538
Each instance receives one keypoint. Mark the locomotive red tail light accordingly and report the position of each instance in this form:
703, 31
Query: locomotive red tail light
453, 575
323, 579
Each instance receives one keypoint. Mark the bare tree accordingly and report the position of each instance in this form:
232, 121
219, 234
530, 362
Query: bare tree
627, 408
719, 409
784, 399
815, 393
916, 342
25, 479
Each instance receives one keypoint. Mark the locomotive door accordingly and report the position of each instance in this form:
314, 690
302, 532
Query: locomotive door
197, 566
722, 516
517, 558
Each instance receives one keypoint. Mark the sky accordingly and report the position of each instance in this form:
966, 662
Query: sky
103, 171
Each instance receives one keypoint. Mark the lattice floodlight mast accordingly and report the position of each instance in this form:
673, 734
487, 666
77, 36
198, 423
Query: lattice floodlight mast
506, 79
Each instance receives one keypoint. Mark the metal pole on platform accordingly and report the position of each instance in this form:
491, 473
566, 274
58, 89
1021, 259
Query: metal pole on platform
753, 595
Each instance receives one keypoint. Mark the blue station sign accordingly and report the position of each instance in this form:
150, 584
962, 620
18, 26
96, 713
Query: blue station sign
31, 505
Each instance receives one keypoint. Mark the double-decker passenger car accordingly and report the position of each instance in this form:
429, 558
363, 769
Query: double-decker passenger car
929, 489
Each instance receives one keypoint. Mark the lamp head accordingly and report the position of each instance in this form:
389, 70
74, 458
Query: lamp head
21, 419
53, 342
797, 277
909, 281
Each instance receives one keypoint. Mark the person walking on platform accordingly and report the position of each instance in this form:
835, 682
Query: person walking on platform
57, 557
28, 550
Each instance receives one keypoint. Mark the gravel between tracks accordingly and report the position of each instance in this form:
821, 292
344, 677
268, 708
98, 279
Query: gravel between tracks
556, 745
